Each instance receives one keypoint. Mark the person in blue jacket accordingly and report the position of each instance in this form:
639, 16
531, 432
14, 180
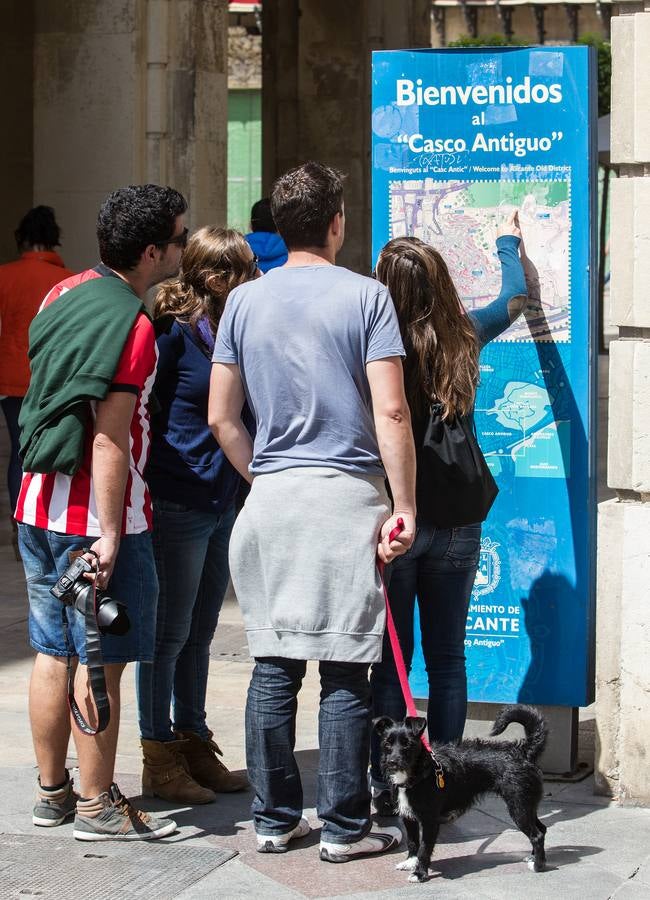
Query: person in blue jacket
443, 344
263, 239
193, 487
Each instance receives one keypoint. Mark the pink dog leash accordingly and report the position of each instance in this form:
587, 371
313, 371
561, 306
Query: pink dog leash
400, 665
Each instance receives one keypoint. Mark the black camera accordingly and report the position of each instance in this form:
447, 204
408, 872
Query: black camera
73, 589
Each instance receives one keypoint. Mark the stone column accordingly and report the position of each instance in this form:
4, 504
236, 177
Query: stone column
197, 98
16, 40
316, 92
127, 92
623, 615
86, 88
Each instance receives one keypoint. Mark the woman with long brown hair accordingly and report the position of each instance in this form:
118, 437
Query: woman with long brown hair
442, 345
193, 487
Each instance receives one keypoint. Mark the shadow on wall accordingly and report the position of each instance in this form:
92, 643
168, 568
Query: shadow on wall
553, 613
557, 610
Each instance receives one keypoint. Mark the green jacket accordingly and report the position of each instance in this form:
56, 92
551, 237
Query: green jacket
75, 345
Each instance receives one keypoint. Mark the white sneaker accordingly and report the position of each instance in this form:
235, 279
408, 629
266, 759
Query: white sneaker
279, 843
378, 840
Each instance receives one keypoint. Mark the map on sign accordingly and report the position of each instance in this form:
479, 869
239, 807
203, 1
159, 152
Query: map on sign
523, 422
459, 218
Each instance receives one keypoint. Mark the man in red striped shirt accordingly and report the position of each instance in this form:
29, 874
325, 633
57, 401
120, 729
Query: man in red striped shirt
104, 505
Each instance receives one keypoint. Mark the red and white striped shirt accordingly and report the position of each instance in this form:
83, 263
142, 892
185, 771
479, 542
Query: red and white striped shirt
66, 503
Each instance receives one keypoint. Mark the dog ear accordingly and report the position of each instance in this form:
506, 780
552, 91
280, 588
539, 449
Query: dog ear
382, 723
416, 725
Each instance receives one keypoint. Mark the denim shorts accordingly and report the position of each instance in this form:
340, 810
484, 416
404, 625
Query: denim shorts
134, 583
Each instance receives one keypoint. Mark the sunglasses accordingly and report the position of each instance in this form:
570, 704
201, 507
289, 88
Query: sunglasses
180, 239
253, 266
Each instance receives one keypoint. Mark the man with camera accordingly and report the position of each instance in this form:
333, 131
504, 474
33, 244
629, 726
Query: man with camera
84, 445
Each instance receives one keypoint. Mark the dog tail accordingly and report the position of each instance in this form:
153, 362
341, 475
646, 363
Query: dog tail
534, 726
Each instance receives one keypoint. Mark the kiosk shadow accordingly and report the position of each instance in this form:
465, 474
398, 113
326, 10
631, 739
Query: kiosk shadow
556, 609
553, 612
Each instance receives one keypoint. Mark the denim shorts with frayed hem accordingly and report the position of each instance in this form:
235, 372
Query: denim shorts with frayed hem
134, 583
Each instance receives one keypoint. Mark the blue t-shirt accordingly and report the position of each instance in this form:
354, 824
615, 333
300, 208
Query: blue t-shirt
301, 337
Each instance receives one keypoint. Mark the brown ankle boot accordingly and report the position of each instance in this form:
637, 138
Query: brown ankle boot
204, 765
165, 774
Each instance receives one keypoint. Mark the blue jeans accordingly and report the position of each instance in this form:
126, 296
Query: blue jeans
439, 571
191, 553
343, 802
46, 556
11, 409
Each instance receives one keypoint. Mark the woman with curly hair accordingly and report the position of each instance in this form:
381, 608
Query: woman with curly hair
193, 487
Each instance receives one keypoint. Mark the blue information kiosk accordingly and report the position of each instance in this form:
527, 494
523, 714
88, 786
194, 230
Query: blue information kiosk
460, 137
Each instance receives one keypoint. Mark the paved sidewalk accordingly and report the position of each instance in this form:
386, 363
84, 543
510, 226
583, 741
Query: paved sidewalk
596, 850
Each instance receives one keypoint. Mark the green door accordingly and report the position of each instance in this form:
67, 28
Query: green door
244, 155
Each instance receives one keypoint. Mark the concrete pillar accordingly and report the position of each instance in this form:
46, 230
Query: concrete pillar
16, 37
623, 615
126, 92
316, 92
197, 95
85, 122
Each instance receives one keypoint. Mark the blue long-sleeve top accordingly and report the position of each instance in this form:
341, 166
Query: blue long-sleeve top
186, 464
493, 319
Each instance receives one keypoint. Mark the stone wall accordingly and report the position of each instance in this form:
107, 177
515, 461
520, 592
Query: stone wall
126, 92
557, 24
244, 59
623, 616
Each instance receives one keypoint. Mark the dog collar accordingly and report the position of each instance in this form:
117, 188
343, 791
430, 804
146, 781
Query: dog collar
440, 772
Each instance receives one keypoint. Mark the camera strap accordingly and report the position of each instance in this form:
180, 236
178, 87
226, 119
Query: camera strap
95, 665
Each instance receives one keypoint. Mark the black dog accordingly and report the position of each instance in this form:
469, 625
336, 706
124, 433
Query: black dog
467, 770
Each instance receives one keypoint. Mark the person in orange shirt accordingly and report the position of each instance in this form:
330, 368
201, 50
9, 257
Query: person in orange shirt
23, 285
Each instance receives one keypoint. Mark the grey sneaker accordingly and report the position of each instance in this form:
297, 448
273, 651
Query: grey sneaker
54, 807
279, 843
378, 840
110, 817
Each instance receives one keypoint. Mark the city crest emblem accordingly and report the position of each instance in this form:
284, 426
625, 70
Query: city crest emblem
488, 574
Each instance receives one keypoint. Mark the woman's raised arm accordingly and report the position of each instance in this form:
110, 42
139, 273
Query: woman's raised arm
498, 315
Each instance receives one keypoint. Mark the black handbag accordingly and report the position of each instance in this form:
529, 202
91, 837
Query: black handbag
454, 483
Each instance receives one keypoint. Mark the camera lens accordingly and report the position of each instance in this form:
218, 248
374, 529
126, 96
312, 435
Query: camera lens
112, 617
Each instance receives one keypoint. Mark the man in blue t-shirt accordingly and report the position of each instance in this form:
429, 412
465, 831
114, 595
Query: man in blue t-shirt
316, 351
